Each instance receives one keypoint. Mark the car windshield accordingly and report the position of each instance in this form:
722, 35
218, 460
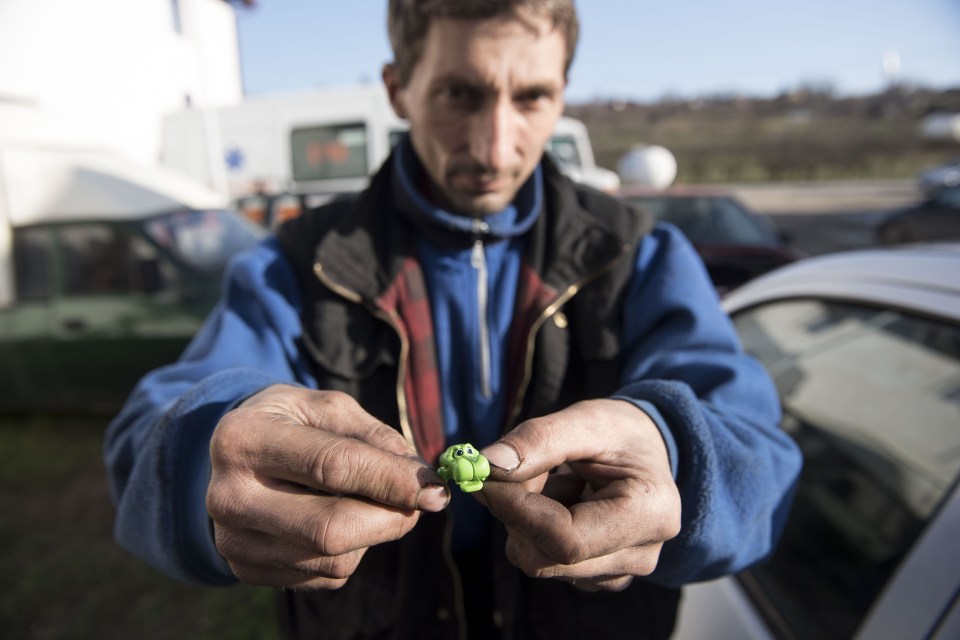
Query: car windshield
709, 219
203, 239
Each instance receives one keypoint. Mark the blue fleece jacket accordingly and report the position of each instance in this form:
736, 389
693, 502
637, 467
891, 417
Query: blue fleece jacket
681, 362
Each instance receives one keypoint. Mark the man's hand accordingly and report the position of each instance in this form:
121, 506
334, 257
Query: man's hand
604, 513
304, 482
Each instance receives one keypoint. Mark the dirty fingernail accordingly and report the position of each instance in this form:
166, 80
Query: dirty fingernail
502, 455
433, 498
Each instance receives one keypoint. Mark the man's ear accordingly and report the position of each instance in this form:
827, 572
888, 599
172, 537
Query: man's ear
391, 80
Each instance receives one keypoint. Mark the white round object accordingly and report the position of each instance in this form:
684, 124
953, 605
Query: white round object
649, 165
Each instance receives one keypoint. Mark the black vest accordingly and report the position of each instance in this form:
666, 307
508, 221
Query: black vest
564, 347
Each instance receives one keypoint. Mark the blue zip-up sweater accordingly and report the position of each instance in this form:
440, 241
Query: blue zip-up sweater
716, 405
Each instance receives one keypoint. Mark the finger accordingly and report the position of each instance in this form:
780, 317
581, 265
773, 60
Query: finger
283, 578
332, 411
255, 549
613, 435
328, 525
325, 461
343, 465
621, 515
592, 585
606, 572
340, 413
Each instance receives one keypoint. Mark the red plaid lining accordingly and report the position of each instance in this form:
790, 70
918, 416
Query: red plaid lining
533, 297
407, 302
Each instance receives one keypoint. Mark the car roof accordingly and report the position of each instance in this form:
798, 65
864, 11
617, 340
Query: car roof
675, 191
49, 184
920, 278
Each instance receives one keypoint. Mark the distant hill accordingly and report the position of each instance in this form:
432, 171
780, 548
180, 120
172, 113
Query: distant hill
807, 134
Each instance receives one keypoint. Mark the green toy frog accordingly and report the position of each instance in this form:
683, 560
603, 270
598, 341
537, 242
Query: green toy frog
464, 465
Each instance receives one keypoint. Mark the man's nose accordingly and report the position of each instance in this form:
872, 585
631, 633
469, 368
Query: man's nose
493, 135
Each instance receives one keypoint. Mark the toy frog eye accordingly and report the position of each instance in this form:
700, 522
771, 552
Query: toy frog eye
469, 451
458, 453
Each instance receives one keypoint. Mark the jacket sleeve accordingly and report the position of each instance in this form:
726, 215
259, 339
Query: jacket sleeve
157, 448
718, 410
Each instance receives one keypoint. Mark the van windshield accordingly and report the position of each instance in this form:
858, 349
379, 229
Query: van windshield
205, 240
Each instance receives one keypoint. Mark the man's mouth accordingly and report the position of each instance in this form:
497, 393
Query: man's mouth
480, 181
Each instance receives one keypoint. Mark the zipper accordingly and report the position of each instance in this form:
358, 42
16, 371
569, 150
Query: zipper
478, 260
391, 319
561, 300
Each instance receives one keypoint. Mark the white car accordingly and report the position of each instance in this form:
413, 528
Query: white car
865, 351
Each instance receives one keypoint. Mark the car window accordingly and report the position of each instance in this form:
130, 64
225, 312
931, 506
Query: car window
31, 262
709, 220
872, 397
563, 149
101, 259
205, 240
949, 198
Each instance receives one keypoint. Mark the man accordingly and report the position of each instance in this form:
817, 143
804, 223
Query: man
471, 294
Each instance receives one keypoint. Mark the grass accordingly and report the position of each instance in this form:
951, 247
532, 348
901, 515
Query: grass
65, 577
771, 140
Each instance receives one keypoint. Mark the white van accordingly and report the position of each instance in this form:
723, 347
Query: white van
314, 145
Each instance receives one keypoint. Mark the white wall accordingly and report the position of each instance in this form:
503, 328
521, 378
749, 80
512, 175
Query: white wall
110, 69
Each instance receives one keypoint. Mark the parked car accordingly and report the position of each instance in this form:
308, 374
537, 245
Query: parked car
864, 348
736, 244
107, 268
936, 218
939, 177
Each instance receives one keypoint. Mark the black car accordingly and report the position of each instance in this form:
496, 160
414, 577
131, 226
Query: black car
936, 178
936, 218
735, 244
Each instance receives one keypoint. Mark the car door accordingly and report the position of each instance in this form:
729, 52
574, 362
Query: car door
942, 221
872, 396
121, 311
29, 377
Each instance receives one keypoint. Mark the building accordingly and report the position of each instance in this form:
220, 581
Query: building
108, 70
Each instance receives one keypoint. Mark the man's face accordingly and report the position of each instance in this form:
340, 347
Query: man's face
482, 102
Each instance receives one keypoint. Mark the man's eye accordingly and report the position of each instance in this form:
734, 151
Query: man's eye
460, 95
532, 99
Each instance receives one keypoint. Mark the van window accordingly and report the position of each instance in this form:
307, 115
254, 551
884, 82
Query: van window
329, 152
31, 262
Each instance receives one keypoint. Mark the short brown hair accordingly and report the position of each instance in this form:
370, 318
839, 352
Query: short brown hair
409, 20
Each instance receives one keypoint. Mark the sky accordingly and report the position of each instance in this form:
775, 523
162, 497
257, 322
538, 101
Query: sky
642, 50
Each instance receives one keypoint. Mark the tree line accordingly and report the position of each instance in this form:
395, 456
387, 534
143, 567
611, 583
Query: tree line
805, 134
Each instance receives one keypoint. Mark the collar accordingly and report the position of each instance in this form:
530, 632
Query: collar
444, 228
